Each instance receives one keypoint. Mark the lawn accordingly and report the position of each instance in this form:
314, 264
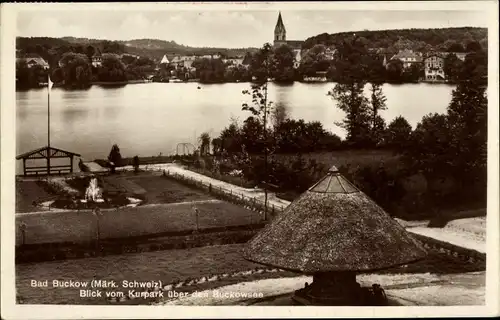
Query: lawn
161, 190
74, 226
26, 193
169, 267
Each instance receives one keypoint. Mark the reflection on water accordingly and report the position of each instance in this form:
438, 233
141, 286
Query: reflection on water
147, 119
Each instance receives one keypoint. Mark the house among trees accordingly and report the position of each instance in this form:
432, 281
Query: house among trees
280, 40
97, 58
211, 56
434, 67
408, 57
233, 62
179, 61
33, 60
164, 60
460, 55
330, 53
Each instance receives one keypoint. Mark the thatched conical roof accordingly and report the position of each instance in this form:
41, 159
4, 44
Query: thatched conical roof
333, 227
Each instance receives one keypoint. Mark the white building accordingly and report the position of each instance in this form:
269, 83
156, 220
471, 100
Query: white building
434, 67
408, 57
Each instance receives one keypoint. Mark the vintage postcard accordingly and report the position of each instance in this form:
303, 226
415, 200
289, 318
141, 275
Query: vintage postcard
318, 159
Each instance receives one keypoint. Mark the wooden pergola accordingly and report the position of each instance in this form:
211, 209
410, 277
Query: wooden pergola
47, 153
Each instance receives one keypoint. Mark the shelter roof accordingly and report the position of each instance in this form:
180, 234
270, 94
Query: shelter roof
42, 153
333, 227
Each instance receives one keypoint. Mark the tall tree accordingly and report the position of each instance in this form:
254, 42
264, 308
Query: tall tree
397, 134
115, 157
261, 106
314, 60
473, 46
351, 71
282, 64
112, 69
279, 114
394, 71
452, 67
429, 152
76, 69
377, 104
89, 52
204, 140
467, 114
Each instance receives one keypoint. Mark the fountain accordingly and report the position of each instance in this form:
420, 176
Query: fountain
93, 193
69, 195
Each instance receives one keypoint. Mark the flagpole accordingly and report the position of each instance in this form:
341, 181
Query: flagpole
48, 126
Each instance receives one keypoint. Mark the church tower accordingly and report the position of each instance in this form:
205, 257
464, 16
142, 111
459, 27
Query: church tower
279, 32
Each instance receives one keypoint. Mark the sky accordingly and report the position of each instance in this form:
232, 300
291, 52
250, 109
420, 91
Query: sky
234, 28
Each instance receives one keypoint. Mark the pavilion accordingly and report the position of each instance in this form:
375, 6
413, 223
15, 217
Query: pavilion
334, 231
47, 153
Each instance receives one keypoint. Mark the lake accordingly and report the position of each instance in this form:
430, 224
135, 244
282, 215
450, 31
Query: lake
152, 118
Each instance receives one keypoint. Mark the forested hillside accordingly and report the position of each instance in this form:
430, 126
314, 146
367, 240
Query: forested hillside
415, 39
149, 48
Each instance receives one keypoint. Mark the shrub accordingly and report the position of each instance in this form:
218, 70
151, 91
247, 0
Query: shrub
384, 188
136, 163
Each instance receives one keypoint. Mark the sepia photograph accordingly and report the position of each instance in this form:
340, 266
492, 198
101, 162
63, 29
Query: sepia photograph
249, 155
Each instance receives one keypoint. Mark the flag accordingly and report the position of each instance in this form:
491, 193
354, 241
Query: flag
50, 83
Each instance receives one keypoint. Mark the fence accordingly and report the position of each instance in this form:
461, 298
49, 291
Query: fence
229, 195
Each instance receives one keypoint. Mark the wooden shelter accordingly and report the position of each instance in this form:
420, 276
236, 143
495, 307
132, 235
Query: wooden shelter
47, 153
334, 231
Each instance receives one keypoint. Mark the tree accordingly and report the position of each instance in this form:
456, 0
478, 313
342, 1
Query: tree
90, 51
403, 44
209, 70
351, 70
115, 157
475, 67
230, 139
473, 46
413, 73
484, 43
467, 115
279, 114
452, 67
260, 66
377, 104
261, 106
252, 135
429, 153
27, 77
136, 164
111, 69
314, 60
455, 47
77, 70
394, 71
397, 134
282, 64
204, 140
216, 146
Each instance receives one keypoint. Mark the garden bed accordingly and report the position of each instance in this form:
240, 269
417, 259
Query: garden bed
70, 193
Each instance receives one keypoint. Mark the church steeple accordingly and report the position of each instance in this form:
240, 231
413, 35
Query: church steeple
279, 30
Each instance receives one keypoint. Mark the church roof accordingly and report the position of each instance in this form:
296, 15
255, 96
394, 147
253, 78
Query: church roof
333, 227
280, 26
